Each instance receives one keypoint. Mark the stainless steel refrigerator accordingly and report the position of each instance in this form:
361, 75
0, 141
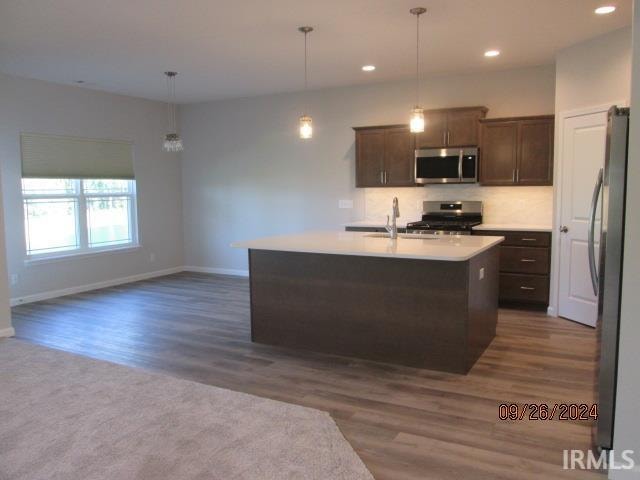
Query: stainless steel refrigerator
606, 272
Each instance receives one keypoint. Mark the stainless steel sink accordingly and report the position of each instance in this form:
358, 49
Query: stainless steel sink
415, 236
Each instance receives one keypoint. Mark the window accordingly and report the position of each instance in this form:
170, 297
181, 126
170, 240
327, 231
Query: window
67, 217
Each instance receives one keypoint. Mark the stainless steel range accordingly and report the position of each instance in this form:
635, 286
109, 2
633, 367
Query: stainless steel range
447, 218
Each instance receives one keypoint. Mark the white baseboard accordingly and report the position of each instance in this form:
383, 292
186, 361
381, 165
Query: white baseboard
7, 332
120, 281
220, 271
93, 286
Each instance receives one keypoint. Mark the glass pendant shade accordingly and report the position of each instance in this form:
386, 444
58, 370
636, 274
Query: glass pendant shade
173, 142
306, 127
416, 124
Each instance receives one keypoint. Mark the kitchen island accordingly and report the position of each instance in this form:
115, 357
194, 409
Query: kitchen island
420, 300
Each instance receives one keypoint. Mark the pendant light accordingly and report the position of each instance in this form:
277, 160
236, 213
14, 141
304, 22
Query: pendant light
416, 124
172, 141
305, 127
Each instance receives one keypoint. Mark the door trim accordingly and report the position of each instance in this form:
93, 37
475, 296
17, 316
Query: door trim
554, 287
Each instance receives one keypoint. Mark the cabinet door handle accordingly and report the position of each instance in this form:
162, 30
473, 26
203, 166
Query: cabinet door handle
517, 175
444, 138
513, 176
529, 239
448, 138
382, 177
527, 260
527, 288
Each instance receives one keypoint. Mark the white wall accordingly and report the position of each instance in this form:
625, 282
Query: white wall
6, 329
41, 107
627, 422
246, 173
590, 74
594, 72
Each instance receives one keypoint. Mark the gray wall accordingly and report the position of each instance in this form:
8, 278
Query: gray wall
246, 174
627, 426
594, 72
6, 329
41, 107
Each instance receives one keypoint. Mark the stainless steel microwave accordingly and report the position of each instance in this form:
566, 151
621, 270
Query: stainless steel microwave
447, 165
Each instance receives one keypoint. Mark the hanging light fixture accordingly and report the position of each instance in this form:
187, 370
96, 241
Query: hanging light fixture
306, 123
172, 141
416, 124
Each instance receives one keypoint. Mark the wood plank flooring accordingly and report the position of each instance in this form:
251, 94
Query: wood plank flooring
404, 423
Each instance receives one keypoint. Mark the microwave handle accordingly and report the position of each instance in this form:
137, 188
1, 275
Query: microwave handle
460, 166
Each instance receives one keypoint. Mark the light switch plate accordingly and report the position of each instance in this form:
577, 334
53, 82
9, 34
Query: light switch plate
481, 274
14, 279
345, 203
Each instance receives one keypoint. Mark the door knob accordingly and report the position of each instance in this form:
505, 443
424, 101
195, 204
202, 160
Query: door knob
564, 229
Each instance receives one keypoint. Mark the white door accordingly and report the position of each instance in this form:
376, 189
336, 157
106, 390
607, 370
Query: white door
583, 150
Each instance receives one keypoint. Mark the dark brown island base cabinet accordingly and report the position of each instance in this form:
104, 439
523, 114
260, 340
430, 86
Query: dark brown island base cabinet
524, 267
385, 155
517, 151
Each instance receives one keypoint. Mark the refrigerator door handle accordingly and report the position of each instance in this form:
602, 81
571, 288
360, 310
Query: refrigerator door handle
592, 225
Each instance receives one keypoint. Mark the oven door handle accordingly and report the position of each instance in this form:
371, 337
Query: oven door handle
460, 166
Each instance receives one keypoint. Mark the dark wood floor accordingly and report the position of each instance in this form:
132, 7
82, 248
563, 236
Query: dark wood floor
404, 423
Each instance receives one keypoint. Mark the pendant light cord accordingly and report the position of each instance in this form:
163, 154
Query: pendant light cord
305, 60
417, 60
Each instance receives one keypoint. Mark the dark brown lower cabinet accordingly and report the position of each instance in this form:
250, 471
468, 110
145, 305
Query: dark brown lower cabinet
525, 259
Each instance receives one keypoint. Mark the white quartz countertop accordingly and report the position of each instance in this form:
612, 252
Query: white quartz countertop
513, 227
419, 247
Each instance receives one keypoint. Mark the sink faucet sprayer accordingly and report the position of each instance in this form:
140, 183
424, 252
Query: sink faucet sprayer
395, 213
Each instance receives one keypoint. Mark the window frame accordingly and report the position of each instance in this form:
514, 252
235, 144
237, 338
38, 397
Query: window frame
82, 220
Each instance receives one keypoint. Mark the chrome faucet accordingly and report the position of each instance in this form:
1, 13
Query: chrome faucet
395, 213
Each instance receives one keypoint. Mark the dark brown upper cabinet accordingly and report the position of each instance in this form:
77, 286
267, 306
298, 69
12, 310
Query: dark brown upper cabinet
385, 156
517, 151
451, 127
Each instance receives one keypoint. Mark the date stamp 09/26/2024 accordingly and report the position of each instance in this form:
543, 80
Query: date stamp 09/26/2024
547, 411
575, 412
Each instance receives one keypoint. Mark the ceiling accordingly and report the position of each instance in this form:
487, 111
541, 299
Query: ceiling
238, 48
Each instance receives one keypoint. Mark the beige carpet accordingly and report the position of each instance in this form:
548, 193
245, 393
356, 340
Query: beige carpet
69, 417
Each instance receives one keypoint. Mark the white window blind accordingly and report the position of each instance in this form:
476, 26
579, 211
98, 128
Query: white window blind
52, 156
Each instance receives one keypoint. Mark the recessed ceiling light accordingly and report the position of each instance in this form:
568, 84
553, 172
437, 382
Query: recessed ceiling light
368, 68
604, 10
492, 53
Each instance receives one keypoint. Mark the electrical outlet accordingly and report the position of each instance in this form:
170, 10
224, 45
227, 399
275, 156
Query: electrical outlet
14, 279
481, 274
152, 257
345, 203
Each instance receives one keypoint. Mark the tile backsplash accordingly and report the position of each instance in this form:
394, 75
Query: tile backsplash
530, 205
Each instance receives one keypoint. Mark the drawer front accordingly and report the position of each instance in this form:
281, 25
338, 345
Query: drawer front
524, 260
519, 239
524, 288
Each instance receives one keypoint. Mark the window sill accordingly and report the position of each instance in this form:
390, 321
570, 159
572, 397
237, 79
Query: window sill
35, 260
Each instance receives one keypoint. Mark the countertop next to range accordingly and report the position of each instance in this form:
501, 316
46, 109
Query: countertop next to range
502, 227
419, 247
